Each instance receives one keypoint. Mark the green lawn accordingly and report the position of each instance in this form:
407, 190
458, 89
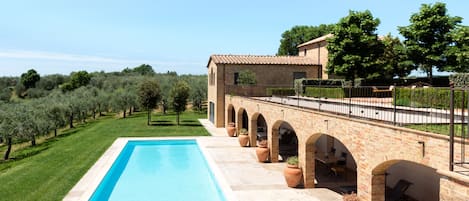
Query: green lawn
49, 170
438, 128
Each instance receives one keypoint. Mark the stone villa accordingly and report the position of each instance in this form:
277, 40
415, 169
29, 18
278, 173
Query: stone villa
271, 71
377, 156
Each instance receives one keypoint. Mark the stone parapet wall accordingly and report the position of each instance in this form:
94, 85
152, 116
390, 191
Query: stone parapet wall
453, 186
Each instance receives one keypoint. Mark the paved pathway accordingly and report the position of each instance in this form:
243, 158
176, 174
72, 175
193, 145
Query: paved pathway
250, 180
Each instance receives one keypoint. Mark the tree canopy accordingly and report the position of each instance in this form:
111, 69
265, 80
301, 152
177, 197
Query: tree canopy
300, 34
247, 77
79, 79
30, 78
149, 94
459, 51
143, 69
394, 61
428, 37
179, 95
354, 47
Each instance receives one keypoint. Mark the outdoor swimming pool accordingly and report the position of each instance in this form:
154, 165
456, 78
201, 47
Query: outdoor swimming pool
159, 170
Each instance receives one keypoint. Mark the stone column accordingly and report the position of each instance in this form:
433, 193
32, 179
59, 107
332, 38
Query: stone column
378, 187
306, 156
253, 132
273, 144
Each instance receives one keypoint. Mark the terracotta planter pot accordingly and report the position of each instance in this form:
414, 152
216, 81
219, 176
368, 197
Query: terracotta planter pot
262, 154
293, 175
243, 140
231, 129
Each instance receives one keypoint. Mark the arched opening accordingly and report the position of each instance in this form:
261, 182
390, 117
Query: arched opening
284, 141
231, 114
329, 164
405, 180
243, 120
287, 141
258, 128
258, 131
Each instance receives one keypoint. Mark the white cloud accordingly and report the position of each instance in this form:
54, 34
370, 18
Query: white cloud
21, 59
22, 54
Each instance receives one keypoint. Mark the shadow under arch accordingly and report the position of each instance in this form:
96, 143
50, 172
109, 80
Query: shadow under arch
258, 129
403, 179
242, 119
231, 114
329, 164
282, 141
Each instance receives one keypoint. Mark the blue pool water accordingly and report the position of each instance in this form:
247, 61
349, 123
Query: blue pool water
163, 170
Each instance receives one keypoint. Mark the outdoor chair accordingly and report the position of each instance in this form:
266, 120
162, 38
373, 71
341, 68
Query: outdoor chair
398, 191
340, 167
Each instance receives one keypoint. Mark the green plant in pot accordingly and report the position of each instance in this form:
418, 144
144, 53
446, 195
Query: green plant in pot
243, 137
292, 172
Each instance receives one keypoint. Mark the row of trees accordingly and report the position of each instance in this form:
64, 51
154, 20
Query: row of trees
26, 119
433, 40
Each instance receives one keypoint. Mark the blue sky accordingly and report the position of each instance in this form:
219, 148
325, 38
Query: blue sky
61, 36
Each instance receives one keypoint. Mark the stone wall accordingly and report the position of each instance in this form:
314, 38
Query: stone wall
374, 146
266, 75
318, 52
453, 186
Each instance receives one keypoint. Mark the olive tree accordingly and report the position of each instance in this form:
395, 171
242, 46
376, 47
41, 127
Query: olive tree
179, 95
8, 127
149, 94
56, 115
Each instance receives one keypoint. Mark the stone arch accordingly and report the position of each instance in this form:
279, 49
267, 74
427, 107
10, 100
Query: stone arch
286, 146
328, 151
242, 119
257, 129
425, 180
231, 114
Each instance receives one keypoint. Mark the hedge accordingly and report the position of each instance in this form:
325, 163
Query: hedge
280, 91
324, 92
429, 97
337, 92
321, 82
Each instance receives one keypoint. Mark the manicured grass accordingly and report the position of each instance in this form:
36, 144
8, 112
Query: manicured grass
49, 170
438, 128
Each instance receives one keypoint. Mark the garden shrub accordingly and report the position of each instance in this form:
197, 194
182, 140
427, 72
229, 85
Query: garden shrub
280, 92
429, 97
324, 92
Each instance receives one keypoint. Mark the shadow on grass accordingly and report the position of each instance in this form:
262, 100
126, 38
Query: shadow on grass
174, 124
191, 125
26, 152
163, 124
161, 121
66, 133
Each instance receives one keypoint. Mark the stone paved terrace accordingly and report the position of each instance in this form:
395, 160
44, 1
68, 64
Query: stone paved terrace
250, 180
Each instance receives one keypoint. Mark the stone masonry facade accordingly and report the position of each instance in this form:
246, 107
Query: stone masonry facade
373, 146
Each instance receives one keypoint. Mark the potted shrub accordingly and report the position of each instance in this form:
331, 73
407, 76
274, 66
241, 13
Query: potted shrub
262, 151
243, 137
292, 172
231, 129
